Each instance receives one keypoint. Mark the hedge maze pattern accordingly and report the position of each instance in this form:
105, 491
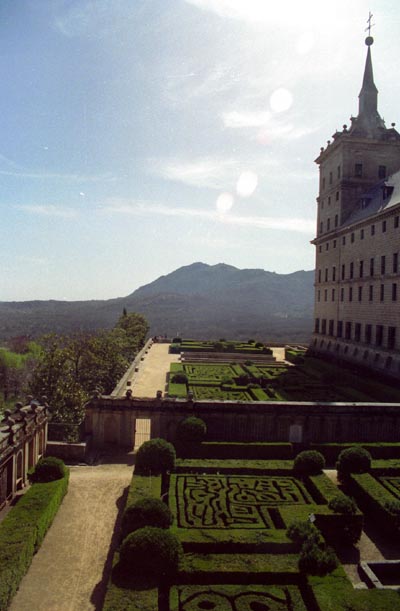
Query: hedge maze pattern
215, 501
392, 484
250, 599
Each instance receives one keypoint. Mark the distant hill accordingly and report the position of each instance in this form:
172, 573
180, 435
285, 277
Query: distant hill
197, 300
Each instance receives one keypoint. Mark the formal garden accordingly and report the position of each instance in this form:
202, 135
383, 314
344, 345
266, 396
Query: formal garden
239, 534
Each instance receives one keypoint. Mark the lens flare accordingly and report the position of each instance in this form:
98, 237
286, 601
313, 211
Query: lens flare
247, 183
281, 100
224, 202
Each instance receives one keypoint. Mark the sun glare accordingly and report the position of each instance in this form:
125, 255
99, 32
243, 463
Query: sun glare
247, 183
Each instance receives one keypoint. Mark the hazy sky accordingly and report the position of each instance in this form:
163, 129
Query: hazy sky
141, 135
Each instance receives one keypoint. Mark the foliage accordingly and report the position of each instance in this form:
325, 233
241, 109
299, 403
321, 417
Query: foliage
353, 460
179, 378
299, 531
155, 456
341, 503
393, 507
47, 470
147, 511
151, 551
191, 430
308, 462
316, 559
22, 532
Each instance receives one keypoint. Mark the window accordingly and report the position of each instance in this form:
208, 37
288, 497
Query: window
371, 266
360, 293
333, 274
382, 292
347, 333
361, 269
331, 323
330, 178
326, 274
323, 183
326, 295
383, 264
368, 334
327, 246
351, 270
320, 249
358, 170
321, 227
323, 326
352, 238
350, 293
319, 296
371, 293
319, 275
316, 325
344, 240
343, 271
338, 171
396, 222
391, 338
339, 330
357, 332
372, 229
362, 234
336, 220
394, 291
333, 294
395, 262
329, 200
383, 226
328, 225
379, 335
341, 294
334, 243
382, 171
337, 196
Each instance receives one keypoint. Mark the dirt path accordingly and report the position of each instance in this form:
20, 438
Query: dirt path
70, 571
152, 374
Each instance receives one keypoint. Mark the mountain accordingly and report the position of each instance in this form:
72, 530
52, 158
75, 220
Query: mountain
197, 300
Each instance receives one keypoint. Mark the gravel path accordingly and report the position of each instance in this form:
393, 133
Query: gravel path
152, 374
71, 569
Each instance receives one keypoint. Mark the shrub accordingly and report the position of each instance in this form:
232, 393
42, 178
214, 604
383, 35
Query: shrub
259, 345
353, 460
341, 503
393, 507
176, 340
317, 560
179, 378
48, 470
147, 511
155, 456
151, 551
192, 430
300, 531
309, 462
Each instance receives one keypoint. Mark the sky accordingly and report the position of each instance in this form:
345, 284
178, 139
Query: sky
138, 136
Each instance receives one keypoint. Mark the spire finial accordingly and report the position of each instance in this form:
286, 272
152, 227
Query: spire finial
369, 40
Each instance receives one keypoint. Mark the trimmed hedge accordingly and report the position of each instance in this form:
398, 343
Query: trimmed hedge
23, 530
154, 457
147, 511
243, 451
48, 470
308, 462
352, 460
151, 551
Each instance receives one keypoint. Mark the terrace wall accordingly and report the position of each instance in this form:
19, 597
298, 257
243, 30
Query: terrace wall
110, 421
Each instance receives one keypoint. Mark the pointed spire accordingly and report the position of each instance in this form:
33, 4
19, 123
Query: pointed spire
368, 98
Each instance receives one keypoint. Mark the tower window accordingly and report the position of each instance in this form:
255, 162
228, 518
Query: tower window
357, 332
379, 335
383, 264
383, 226
339, 330
351, 270
336, 220
396, 222
319, 275
371, 266
362, 234
372, 229
347, 332
371, 292
328, 225
333, 294
338, 171
352, 238
326, 274
330, 178
358, 170
342, 294
382, 292
350, 293
331, 323
316, 327
361, 269
337, 196
394, 291
333, 273
395, 262
391, 338
368, 334
343, 271
382, 171
360, 293
344, 240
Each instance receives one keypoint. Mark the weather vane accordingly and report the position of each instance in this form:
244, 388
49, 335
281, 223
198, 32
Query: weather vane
369, 40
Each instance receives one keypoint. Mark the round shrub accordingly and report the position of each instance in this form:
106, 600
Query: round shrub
316, 560
341, 503
148, 511
48, 470
309, 462
300, 531
151, 551
353, 460
154, 457
192, 430
179, 378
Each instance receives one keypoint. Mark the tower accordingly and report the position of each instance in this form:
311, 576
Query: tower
358, 239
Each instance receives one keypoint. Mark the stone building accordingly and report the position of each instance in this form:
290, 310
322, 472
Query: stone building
357, 283
23, 435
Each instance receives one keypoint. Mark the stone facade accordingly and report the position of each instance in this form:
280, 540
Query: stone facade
23, 435
357, 283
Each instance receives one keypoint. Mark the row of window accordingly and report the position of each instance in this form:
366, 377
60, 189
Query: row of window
388, 363
384, 227
361, 269
379, 335
357, 172
360, 293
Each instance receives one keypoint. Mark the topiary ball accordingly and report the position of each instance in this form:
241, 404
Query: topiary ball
48, 470
309, 462
353, 460
151, 551
154, 457
148, 511
316, 560
341, 503
300, 531
191, 430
